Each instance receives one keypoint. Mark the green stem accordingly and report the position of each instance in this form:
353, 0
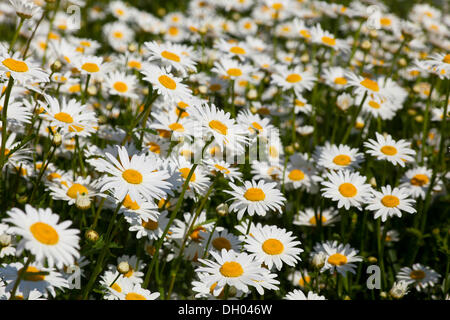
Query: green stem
5, 122
13, 40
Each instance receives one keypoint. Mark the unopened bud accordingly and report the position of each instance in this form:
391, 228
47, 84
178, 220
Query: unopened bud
372, 260
383, 295
132, 47
57, 139
83, 201
318, 260
92, 90
5, 240
222, 209
412, 112
399, 289
123, 267
304, 58
366, 45
419, 118
252, 94
91, 235
402, 62
373, 182
290, 149
203, 89
56, 66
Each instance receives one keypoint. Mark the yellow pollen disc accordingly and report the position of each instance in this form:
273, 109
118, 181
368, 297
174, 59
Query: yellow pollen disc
342, 160
234, 72
417, 274
170, 56
75, 88
446, 58
299, 103
273, 247
254, 194
29, 276
337, 259
120, 86
222, 169
247, 25
163, 133
370, 84
301, 281
419, 180
134, 296
215, 87
132, 176
44, 233
231, 269
120, 12
85, 43
305, 33
153, 147
385, 22
135, 64
185, 173
348, 190
173, 31
118, 35
313, 220
329, 41
390, 201
52, 175
76, 189
64, 117
130, 204
75, 128
277, 6
221, 243
256, 125
296, 175
374, 104
150, 225
116, 287
195, 235
176, 127
162, 203
389, 150
340, 80
218, 127
15, 65
90, 67
238, 50
293, 78
167, 82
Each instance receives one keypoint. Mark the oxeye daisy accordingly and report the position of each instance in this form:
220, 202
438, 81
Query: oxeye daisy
211, 292
273, 246
219, 240
346, 187
199, 181
386, 148
339, 157
113, 283
390, 202
173, 55
178, 128
7, 241
71, 189
233, 48
335, 78
297, 294
42, 279
231, 69
231, 268
327, 39
309, 218
151, 228
140, 212
339, 257
92, 65
254, 123
25, 9
220, 166
135, 176
419, 276
135, 265
299, 172
134, 291
299, 278
255, 197
22, 71
43, 236
167, 85
73, 118
120, 84
19, 156
296, 79
417, 181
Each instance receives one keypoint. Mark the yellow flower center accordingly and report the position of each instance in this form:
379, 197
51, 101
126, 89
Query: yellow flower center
389, 150
130, 204
238, 50
294, 78
296, 175
118, 34
273, 247
446, 58
257, 126
374, 104
185, 173
417, 274
90, 67
29, 276
44, 233
390, 201
329, 41
153, 147
222, 169
218, 126
313, 220
342, 160
370, 84
134, 296
150, 225
340, 81
173, 31
305, 33
134, 64
301, 281
15, 65
76, 189
385, 21
277, 6
75, 88
120, 86
170, 56
234, 72
132, 176
221, 243
254, 194
74, 128
273, 152
176, 127
167, 82
195, 235
231, 269
337, 259
348, 190
419, 180
64, 117
116, 287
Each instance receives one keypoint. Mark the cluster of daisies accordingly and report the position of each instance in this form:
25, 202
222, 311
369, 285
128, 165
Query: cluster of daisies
235, 150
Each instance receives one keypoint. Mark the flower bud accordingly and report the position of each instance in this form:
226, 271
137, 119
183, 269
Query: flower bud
372, 260
5, 240
91, 235
123, 267
318, 260
57, 139
222, 209
399, 289
56, 66
83, 201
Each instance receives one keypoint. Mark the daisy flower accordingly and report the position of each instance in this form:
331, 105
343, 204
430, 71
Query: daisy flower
335, 78
173, 55
199, 181
390, 202
167, 85
25, 9
339, 257
419, 276
135, 176
273, 246
296, 79
92, 65
210, 291
327, 39
133, 291
33, 279
233, 48
309, 218
113, 284
43, 236
178, 128
71, 189
220, 166
254, 123
152, 229
255, 197
6, 241
219, 240
299, 278
386, 148
362, 86
297, 294
23, 71
19, 156
417, 181
299, 172
135, 274
340, 157
231, 268
231, 69
346, 187
72, 117
120, 84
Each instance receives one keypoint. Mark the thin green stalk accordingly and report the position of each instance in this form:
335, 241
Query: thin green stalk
13, 40
353, 121
5, 122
